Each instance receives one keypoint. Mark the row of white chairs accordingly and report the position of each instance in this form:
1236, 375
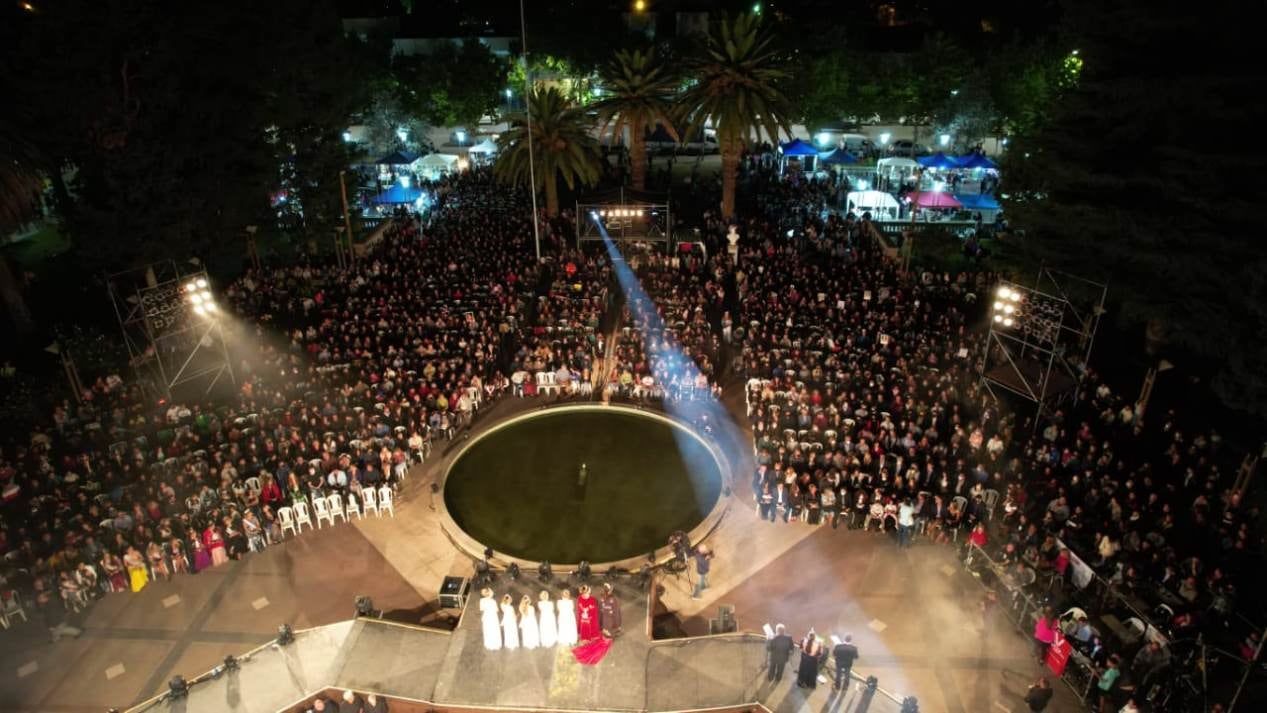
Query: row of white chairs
378, 501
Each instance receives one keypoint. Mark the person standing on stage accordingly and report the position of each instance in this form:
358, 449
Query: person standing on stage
609, 612
811, 656
780, 650
488, 619
510, 626
702, 566
530, 634
546, 620
587, 624
566, 619
844, 654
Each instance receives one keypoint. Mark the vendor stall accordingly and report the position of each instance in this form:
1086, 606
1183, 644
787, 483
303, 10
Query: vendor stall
437, 166
802, 152
881, 205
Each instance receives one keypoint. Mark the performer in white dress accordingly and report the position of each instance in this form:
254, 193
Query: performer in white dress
529, 633
546, 621
510, 627
567, 619
488, 617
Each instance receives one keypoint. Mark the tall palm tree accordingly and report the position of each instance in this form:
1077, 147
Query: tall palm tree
642, 89
736, 87
562, 147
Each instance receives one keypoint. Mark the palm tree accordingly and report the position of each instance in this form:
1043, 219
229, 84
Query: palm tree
562, 147
642, 89
736, 79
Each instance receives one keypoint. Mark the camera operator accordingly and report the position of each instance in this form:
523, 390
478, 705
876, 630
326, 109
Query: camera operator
703, 557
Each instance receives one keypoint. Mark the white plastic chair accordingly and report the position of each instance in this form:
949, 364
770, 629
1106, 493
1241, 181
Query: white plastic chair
12, 607
253, 484
335, 504
352, 508
385, 500
323, 511
287, 518
302, 517
368, 501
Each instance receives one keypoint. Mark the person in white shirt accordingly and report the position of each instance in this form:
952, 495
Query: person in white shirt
905, 523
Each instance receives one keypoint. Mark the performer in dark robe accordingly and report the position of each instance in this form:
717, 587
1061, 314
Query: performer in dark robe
587, 622
811, 656
609, 612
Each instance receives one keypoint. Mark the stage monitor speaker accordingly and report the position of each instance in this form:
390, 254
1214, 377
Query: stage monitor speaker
453, 592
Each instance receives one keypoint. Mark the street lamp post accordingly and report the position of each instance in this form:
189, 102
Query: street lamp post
532, 171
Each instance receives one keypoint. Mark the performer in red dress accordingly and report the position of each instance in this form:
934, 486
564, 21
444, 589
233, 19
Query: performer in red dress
594, 645
587, 624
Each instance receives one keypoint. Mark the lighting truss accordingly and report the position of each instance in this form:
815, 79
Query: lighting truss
625, 217
1040, 338
172, 326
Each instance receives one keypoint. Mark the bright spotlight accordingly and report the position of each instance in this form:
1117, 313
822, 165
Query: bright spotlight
884, 138
823, 138
1003, 292
200, 309
201, 282
191, 286
998, 318
1007, 321
1008, 309
998, 305
209, 306
195, 297
944, 139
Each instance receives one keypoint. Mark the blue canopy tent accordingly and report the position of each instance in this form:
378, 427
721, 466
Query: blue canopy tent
978, 201
796, 147
977, 160
837, 157
981, 203
398, 194
938, 160
397, 158
800, 150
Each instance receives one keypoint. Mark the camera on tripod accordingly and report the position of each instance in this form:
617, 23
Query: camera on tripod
681, 548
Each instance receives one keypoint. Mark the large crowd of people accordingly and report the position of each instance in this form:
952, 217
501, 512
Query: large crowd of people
860, 379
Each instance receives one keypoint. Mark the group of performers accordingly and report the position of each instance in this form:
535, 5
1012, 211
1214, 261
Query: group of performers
547, 623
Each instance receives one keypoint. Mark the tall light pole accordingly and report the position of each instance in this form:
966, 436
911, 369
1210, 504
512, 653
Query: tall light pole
532, 170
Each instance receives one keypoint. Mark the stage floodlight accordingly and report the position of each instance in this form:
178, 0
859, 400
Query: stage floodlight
1007, 321
1008, 309
209, 306
200, 310
201, 282
1003, 292
998, 305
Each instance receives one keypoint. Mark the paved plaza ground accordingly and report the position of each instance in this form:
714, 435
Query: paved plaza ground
913, 612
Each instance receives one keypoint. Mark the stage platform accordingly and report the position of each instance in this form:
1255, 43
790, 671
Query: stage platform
453, 670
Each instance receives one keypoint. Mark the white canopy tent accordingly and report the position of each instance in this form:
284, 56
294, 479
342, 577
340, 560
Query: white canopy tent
896, 167
487, 146
437, 165
878, 203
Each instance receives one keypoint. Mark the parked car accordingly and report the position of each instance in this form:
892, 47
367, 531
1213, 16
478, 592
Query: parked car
906, 147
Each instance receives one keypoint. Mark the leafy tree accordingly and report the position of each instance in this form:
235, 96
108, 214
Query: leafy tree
175, 118
454, 85
1124, 184
822, 90
736, 85
562, 147
640, 88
